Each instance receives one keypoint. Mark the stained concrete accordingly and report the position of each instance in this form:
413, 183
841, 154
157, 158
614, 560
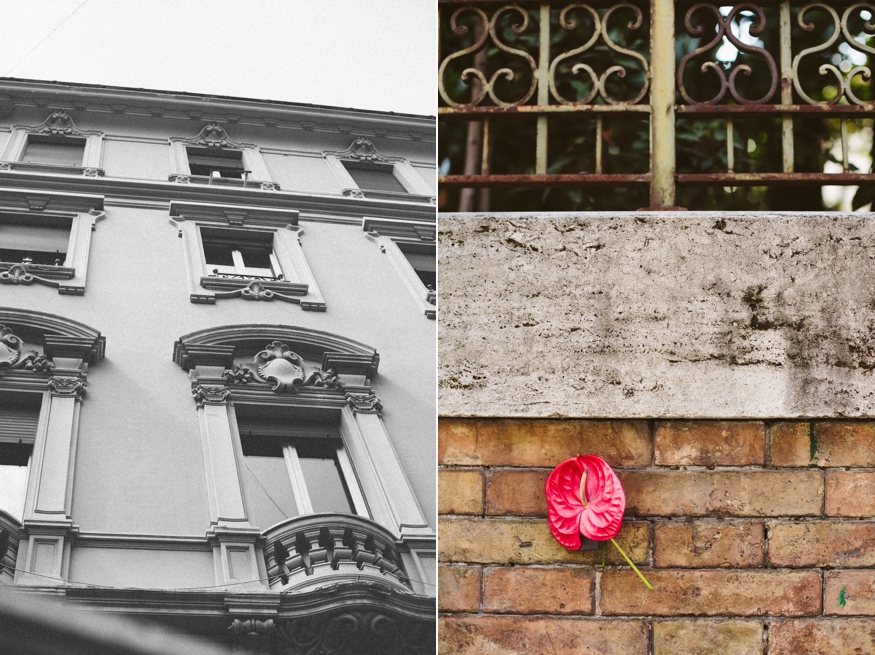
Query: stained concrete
657, 314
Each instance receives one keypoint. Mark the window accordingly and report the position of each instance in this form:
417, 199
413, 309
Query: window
250, 252
239, 253
409, 246
50, 244
422, 260
39, 239
212, 157
216, 162
19, 416
364, 172
293, 467
56, 145
376, 177
48, 149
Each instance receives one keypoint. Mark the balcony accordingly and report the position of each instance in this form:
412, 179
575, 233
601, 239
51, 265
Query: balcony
309, 551
9, 531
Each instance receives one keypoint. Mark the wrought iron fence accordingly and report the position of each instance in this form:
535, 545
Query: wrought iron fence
660, 96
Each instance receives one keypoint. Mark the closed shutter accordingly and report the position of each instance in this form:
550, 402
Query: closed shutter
54, 150
18, 424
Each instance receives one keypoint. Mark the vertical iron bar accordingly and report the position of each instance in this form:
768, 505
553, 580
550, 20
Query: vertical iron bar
730, 146
845, 165
786, 88
598, 144
662, 96
484, 162
543, 89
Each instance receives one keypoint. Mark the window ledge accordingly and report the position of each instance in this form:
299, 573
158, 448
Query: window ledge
60, 169
46, 271
310, 551
224, 181
388, 195
232, 282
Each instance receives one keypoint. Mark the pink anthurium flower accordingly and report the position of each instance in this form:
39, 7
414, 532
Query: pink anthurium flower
584, 497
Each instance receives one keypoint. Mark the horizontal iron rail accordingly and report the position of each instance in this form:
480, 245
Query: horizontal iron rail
555, 180
773, 179
475, 113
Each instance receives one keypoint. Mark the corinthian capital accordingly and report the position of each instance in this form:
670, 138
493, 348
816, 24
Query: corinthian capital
210, 395
66, 386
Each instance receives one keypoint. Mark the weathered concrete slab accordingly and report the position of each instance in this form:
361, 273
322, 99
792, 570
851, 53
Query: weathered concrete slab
657, 314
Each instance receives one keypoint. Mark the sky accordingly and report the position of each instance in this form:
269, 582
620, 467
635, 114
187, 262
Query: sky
363, 54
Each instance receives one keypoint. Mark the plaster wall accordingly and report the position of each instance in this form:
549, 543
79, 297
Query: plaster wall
663, 314
147, 568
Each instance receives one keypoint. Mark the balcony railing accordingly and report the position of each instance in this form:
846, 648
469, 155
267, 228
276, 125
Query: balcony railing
311, 550
723, 94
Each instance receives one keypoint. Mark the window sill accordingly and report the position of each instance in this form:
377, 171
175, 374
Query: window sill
388, 195
57, 169
229, 283
224, 181
47, 271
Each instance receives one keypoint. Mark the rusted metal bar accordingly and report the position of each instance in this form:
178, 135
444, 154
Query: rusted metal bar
468, 113
817, 110
772, 179
662, 100
599, 135
846, 167
561, 180
786, 88
543, 88
730, 146
484, 161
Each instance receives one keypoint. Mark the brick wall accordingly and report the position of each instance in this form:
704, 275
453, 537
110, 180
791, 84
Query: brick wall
758, 537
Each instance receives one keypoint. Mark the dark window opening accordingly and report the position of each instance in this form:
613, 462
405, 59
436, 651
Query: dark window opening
216, 163
60, 150
19, 418
41, 239
374, 177
422, 259
240, 253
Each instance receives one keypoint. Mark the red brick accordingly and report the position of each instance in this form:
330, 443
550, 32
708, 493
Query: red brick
707, 637
516, 492
522, 635
711, 593
849, 592
822, 544
826, 636
460, 492
850, 493
708, 544
459, 588
541, 442
520, 541
538, 590
710, 443
722, 493
824, 443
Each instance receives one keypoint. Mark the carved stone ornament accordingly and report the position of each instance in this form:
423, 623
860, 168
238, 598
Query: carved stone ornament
13, 356
92, 172
21, 274
270, 186
180, 179
58, 123
5, 166
213, 135
364, 402
210, 395
354, 193
252, 637
67, 386
279, 365
255, 290
363, 150
238, 375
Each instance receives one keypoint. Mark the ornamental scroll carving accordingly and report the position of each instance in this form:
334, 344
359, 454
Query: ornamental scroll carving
210, 395
67, 386
13, 355
59, 123
364, 150
277, 365
364, 403
213, 135
336, 633
27, 273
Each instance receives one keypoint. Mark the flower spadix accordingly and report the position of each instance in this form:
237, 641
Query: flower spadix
584, 497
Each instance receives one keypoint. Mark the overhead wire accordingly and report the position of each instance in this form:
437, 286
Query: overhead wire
45, 38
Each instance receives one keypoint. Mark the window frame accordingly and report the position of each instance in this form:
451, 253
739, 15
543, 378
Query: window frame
83, 211
387, 234
213, 136
279, 226
362, 152
58, 125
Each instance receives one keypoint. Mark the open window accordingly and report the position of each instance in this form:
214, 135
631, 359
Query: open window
294, 467
50, 243
56, 145
212, 157
19, 418
248, 252
371, 176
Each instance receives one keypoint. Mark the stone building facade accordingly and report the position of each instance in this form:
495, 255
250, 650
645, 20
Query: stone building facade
217, 385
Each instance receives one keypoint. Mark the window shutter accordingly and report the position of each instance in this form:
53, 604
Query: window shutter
18, 424
66, 153
42, 238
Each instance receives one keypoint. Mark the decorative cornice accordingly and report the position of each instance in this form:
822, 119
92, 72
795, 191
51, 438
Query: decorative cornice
231, 214
67, 386
63, 337
210, 395
362, 150
364, 403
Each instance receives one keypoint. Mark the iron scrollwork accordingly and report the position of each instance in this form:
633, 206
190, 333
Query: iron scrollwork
724, 29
